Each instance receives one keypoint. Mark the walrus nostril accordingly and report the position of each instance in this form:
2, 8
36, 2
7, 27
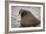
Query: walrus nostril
27, 19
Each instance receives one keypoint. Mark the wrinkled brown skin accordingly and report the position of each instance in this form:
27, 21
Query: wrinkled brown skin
27, 19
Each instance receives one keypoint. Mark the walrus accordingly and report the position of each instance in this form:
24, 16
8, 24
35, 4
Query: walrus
28, 19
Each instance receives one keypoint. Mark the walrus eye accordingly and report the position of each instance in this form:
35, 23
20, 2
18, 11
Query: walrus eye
23, 14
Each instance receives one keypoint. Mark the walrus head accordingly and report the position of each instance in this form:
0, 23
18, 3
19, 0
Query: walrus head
27, 19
